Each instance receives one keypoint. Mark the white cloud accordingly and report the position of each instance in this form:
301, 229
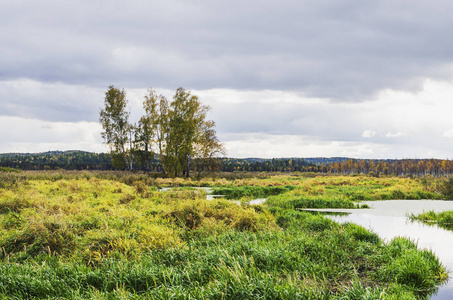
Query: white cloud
448, 133
270, 146
394, 134
368, 133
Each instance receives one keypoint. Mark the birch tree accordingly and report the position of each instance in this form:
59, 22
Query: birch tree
145, 134
207, 149
177, 131
116, 133
186, 121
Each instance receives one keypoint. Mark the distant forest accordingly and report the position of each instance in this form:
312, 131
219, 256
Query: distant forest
80, 160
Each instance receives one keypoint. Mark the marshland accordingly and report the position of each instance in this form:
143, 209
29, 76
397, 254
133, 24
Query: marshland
114, 235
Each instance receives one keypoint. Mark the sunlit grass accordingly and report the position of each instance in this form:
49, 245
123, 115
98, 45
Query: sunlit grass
91, 218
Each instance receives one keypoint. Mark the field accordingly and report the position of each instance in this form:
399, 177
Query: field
113, 235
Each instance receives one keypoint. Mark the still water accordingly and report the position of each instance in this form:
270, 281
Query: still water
389, 219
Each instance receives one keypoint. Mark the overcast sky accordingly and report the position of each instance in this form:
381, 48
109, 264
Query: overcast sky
364, 79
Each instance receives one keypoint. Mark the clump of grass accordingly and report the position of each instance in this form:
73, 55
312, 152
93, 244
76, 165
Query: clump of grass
357, 291
446, 188
9, 180
444, 219
14, 204
412, 267
251, 191
291, 201
183, 193
126, 199
9, 170
201, 214
37, 236
361, 234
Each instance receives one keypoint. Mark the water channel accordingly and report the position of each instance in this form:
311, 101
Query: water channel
389, 219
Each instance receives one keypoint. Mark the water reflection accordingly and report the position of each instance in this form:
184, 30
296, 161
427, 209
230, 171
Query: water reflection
389, 219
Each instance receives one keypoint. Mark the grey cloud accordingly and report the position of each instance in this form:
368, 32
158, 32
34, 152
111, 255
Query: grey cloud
344, 50
295, 119
371, 122
53, 102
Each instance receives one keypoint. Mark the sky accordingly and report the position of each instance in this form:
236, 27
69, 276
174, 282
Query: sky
287, 78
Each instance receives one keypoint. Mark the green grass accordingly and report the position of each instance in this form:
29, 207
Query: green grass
93, 236
251, 191
345, 192
6, 170
289, 201
443, 219
314, 259
91, 218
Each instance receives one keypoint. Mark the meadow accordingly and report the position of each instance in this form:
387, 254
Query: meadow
114, 235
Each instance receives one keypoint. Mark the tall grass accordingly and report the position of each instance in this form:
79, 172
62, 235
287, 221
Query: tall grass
92, 218
306, 262
251, 191
444, 219
91, 237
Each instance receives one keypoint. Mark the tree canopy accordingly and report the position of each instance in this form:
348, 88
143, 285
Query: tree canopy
114, 119
177, 132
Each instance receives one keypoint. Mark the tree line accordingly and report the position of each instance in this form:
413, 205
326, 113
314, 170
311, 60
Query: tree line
80, 160
343, 166
267, 165
53, 160
177, 132
398, 167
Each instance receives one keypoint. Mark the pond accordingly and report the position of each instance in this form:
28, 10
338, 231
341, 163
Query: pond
389, 219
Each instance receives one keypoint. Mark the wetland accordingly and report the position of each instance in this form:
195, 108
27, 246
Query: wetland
114, 235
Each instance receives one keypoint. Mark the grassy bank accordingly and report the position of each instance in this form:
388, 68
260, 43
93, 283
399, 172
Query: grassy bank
345, 191
443, 219
114, 236
232, 192
320, 262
